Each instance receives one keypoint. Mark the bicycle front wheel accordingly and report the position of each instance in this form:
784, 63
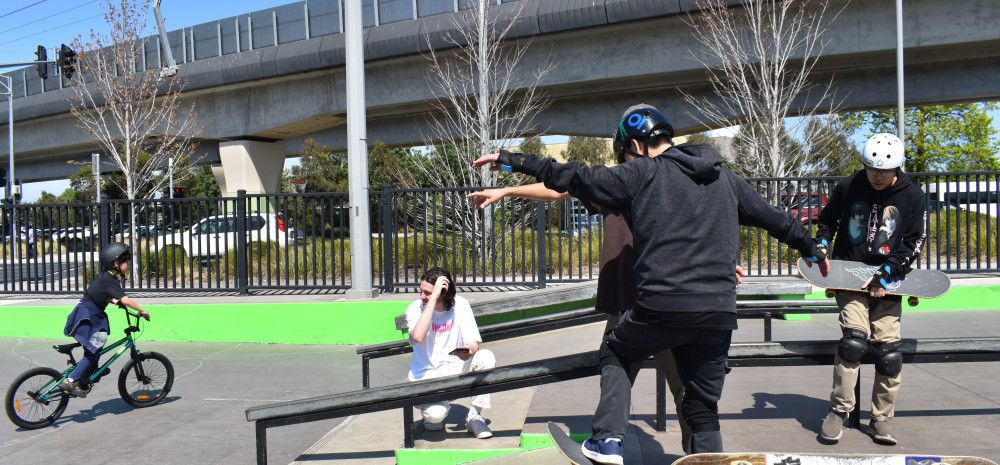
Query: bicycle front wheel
26, 407
146, 380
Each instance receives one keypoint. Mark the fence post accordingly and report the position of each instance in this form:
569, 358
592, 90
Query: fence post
540, 221
103, 224
388, 235
242, 278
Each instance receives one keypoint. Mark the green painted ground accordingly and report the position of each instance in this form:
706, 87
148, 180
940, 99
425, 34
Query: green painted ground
300, 323
530, 441
352, 323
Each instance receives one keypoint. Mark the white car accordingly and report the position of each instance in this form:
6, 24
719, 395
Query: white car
215, 235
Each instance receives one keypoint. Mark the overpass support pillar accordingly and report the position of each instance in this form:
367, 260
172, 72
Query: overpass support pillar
252, 166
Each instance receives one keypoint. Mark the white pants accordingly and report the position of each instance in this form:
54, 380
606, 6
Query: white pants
438, 411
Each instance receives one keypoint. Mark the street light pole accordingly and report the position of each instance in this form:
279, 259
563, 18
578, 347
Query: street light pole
95, 167
8, 82
357, 155
899, 68
170, 176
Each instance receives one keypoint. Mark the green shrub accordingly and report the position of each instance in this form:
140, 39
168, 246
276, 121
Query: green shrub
162, 263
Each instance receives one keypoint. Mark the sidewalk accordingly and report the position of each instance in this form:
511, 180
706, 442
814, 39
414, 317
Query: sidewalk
946, 409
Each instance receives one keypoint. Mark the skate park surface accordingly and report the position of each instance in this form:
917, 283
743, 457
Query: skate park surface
943, 408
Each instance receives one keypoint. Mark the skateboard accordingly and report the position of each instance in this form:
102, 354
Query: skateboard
770, 458
849, 276
567, 447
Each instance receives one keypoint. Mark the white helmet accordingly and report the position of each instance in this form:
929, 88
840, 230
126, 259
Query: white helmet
884, 151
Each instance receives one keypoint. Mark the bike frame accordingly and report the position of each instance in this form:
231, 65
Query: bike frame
123, 344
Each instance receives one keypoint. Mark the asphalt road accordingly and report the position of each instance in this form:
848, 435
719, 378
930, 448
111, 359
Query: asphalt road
202, 421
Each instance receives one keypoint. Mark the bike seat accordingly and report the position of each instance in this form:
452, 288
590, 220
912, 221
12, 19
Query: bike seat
66, 348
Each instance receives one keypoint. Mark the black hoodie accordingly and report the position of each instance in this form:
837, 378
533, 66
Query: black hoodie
684, 210
875, 227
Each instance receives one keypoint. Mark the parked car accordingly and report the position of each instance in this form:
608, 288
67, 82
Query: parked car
78, 239
215, 235
805, 206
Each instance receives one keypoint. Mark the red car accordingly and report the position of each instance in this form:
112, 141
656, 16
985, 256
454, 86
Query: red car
805, 206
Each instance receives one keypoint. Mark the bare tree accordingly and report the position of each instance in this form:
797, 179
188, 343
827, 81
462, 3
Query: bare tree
136, 118
759, 57
486, 99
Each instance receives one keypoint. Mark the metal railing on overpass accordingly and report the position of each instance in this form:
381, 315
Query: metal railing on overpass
256, 30
300, 242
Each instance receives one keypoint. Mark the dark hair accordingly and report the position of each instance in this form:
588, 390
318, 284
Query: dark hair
431, 276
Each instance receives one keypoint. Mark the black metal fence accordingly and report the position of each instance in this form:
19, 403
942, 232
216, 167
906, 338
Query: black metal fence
301, 242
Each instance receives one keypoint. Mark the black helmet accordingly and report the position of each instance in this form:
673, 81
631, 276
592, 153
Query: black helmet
639, 122
115, 252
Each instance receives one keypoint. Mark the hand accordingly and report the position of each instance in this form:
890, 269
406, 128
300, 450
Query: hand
486, 197
440, 287
740, 273
819, 256
143, 314
473, 348
874, 288
491, 158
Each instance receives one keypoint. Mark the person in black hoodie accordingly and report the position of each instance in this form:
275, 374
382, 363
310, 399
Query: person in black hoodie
684, 210
877, 217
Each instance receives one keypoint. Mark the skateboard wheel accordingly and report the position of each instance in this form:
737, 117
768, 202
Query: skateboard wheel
913, 301
830, 293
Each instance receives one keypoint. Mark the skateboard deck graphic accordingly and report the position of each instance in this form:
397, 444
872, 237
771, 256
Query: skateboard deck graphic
849, 276
567, 447
773, 458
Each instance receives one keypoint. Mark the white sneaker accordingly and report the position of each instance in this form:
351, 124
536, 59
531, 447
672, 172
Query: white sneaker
477, 427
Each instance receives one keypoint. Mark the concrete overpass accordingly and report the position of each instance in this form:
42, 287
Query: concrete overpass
267, 81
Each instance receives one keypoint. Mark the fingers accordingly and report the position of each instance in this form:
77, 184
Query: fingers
491, 158
824, 267
867, 283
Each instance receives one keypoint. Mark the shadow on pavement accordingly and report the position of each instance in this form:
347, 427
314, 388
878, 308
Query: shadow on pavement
115, 406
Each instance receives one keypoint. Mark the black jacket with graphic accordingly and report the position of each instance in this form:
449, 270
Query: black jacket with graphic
875, 227
684, 210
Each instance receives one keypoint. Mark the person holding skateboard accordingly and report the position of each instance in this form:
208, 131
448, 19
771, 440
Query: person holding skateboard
445, 340
877, 217
684, 210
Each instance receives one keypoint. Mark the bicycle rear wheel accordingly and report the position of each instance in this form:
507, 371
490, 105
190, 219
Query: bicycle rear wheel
147, 382
26, 408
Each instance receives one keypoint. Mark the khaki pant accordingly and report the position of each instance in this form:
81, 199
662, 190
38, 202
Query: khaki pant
665, 361
879, 319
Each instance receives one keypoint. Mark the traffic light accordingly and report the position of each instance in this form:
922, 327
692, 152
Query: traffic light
43, 57
67, 61
180, 192
3, 177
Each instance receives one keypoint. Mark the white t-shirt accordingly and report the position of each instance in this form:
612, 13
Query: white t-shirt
449, 330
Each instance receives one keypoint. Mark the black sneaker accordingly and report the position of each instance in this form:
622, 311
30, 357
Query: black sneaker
73, 388
833, 426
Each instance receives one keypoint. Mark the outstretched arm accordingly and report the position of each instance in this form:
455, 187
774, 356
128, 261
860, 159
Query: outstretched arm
608, 187
755, 211
536, 191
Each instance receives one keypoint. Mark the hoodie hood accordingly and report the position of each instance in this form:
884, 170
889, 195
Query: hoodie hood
699, 162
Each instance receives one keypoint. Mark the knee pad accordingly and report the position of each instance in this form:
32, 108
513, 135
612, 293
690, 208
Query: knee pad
435, 413
888, 359
853, 346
